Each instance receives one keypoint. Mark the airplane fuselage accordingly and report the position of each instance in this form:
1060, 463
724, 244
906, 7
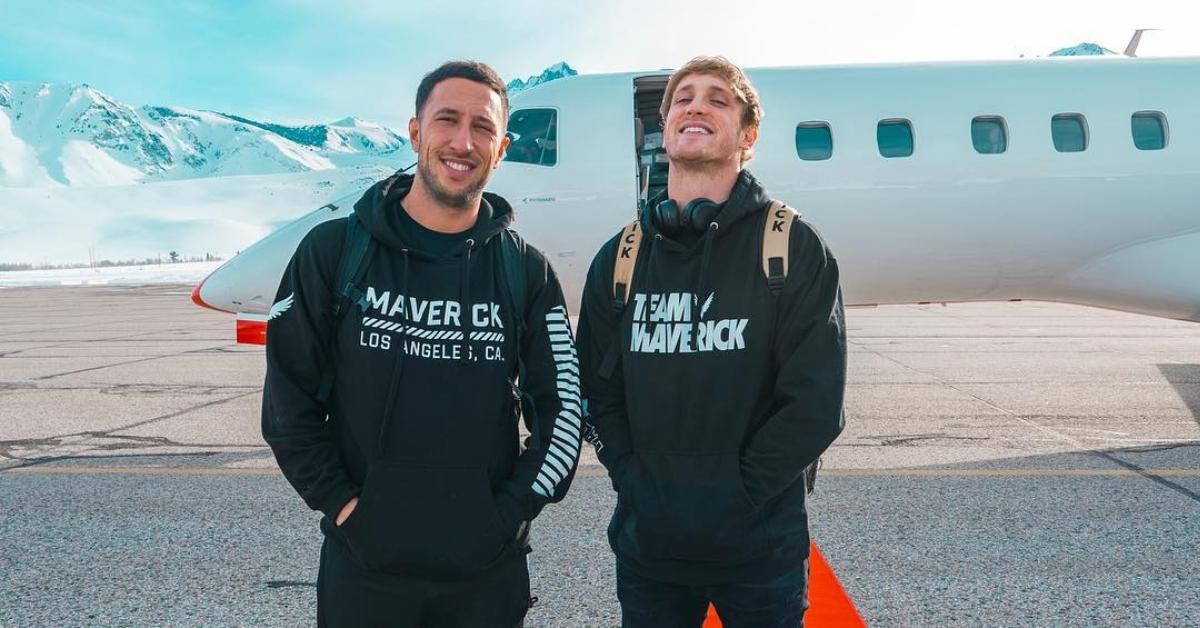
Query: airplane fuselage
1112, 225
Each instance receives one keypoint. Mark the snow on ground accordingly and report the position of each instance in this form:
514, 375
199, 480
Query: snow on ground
184, 272
218, 216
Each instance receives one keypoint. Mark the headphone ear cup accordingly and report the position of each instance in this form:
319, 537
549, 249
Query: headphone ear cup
699, 213
666, 216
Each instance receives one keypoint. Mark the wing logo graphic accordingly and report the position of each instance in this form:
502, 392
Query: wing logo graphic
278, 309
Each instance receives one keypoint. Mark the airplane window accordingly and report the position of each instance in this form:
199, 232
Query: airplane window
814, 141
533, 137
1149, 130
895, 138
989, 135
1069, 131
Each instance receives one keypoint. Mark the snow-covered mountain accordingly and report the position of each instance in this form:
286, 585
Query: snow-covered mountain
53, 135
167, 174
1086, 49
554, 72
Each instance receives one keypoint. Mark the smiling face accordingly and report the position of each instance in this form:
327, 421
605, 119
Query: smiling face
704, 124
459, 139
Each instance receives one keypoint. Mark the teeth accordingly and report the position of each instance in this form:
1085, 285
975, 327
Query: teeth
695, 129
457, 166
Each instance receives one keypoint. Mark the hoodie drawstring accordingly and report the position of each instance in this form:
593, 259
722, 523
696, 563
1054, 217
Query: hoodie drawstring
398, 366
464, 297
650, 257
709, 236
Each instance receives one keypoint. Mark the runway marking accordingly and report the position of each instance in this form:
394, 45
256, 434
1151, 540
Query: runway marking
596, 471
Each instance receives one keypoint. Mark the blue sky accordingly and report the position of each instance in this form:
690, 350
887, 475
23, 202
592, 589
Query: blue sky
317, 61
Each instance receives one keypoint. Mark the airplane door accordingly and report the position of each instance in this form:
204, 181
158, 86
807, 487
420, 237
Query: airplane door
567, 172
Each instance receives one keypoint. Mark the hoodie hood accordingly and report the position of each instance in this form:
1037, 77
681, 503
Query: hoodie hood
379, 208
747, 197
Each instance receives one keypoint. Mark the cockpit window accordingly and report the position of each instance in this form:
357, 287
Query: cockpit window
533, 137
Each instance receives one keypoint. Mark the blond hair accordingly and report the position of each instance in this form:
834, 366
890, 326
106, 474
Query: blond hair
734, 77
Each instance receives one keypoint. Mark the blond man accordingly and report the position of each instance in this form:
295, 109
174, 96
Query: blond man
711, 383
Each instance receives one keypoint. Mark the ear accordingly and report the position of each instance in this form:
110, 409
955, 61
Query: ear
749, 137
503, 149
414, 134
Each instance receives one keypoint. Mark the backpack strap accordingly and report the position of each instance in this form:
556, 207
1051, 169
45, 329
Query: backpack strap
627, 254
512, 261
352, 266
624, 264
516, 286
777, 227
357, 250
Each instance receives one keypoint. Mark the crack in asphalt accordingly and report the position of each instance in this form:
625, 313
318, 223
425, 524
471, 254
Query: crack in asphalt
916, 438
131, 389
103, 366
279, 584
1081, 446
7, 446
248, 452
89, 325
146, 359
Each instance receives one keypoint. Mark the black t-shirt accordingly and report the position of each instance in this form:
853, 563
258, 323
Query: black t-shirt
433, 242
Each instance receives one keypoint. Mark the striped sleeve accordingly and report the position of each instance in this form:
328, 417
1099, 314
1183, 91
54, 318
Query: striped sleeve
543, 472
563, 445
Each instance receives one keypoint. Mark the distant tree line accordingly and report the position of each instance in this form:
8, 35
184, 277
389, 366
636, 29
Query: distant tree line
172, 258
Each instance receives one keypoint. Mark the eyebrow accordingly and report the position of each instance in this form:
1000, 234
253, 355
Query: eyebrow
456, 112
720, 89
708, 90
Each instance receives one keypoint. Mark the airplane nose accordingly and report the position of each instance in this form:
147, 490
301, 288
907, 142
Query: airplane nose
198, 296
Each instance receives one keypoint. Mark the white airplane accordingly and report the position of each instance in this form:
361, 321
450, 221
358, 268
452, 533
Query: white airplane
1064, 179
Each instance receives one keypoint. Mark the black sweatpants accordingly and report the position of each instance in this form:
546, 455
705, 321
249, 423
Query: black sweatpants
348, 596
776, 603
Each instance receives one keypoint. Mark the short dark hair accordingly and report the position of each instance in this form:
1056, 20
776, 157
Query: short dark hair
470, 70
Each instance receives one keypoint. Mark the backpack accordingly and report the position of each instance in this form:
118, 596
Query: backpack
777, 227
357, 253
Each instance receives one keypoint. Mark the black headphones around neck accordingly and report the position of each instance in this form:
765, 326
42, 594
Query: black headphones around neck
696, 215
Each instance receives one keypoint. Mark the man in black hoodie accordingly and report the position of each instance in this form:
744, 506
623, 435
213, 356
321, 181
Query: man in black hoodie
397, 419
709, 392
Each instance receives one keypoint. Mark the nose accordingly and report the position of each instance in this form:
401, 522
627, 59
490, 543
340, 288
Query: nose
460, 140
696, 106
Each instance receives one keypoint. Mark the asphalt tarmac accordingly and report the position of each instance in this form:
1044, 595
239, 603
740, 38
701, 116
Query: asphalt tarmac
1003, 464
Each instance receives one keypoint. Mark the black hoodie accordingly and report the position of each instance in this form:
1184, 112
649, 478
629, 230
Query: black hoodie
421, 422
723, 394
